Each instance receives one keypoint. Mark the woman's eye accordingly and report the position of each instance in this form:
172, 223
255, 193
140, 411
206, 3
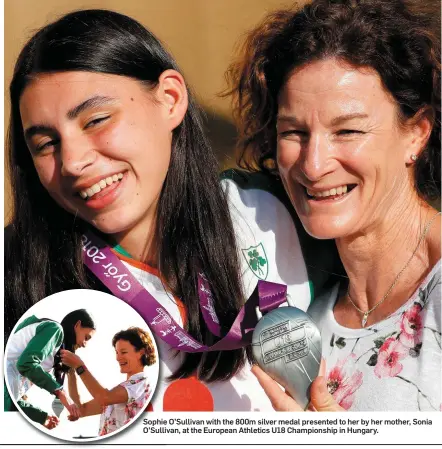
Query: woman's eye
293, 132
348, 132
95, 121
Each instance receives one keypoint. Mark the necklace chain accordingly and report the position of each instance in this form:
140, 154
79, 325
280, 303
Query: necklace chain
366, 313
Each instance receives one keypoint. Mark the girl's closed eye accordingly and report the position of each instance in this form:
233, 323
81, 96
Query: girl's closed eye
46, 145
96, 121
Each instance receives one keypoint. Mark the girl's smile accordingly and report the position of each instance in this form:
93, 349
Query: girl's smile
101, 146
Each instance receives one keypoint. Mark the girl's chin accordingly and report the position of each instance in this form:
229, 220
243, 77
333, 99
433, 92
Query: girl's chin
109, 225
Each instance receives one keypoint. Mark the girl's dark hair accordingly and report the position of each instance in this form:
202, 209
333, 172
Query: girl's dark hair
69, 339
139, 339
400, 39
193, 226
68, 323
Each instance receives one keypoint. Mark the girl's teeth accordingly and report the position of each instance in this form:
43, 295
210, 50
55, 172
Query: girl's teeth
96, 188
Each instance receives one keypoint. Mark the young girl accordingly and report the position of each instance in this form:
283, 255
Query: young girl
105, 136
34, 351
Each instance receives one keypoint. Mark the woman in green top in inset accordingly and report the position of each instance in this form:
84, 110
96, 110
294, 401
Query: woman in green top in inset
33, 352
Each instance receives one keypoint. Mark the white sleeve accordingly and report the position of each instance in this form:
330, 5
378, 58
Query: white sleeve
135, 388
267, 242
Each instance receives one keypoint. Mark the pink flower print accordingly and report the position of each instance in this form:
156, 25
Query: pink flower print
388, 358
411, 327
343, 380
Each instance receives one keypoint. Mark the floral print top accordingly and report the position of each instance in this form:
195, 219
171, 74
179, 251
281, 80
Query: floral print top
392, 365
116, 416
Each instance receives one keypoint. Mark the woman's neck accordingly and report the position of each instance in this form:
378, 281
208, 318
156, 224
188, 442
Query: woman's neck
373, 259
136, 371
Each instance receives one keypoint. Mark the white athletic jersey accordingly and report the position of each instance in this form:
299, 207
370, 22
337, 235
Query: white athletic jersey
269, 250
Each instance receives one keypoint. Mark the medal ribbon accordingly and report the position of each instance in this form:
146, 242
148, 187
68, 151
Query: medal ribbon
108, 268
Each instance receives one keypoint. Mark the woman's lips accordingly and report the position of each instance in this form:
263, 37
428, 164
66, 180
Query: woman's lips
327, 195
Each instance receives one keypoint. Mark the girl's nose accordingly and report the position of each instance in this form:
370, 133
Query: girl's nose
76, 154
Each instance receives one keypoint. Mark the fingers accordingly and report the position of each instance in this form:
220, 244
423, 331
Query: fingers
322, 368
65, 356
279, 399
74, 411
321, 399
70, 359
73, 418
51, 422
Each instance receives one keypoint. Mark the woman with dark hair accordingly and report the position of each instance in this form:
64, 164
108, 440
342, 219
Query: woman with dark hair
105, 137
341, 100
34, 351
134, 350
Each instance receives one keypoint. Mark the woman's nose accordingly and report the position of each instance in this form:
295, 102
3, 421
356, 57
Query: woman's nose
315, 157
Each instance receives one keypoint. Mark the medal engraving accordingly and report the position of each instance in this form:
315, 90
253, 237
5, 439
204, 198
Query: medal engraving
287, 346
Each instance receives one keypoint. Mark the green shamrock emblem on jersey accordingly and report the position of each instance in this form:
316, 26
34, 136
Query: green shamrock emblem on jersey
257, 260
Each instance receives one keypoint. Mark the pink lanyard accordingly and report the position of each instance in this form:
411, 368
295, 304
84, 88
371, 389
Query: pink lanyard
106, 266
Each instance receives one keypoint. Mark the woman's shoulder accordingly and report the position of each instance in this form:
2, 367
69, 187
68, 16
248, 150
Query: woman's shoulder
137, 386
138, 378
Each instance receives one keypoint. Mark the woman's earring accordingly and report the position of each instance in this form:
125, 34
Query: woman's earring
413, 157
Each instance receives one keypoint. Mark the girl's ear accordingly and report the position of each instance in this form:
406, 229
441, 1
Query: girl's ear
172, 93
77, 324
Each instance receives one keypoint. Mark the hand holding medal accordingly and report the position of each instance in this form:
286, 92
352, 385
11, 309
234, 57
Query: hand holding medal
286, 344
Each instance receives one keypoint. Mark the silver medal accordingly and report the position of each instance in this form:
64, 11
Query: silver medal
57, 407
286, 344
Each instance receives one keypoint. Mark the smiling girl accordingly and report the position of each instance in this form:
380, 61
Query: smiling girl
105, 137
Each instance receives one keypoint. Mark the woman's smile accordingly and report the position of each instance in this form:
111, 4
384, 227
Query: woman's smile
340, 152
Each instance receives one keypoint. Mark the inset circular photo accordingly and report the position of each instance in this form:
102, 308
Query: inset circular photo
80, 365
